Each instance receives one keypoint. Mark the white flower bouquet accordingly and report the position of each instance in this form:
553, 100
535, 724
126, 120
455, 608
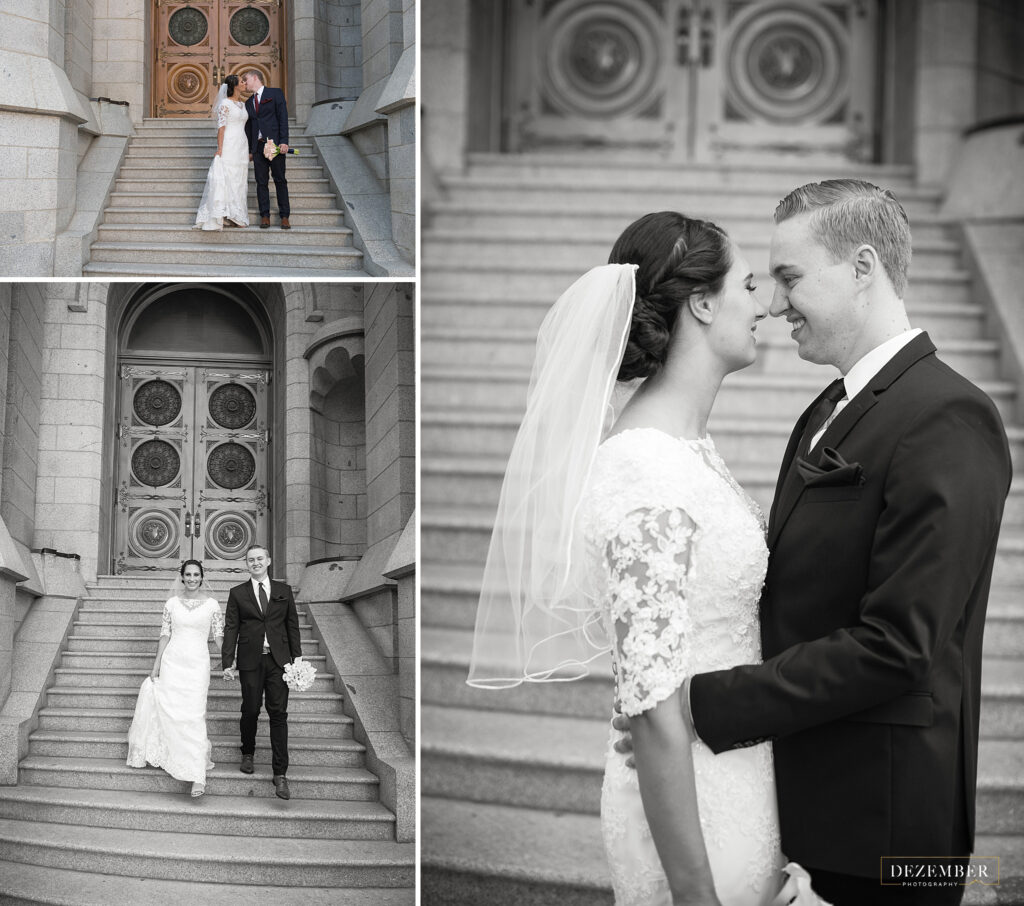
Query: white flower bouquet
299, 675
270, 150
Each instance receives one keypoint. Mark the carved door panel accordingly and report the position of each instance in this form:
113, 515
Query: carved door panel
693, 79
198, 43
192, 468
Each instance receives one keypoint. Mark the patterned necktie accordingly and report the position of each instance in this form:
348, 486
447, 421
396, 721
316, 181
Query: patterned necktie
822, 413
263, 599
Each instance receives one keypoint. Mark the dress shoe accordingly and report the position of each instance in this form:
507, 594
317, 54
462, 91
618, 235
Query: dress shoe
264, 223
285, 225
281, 784
246, 767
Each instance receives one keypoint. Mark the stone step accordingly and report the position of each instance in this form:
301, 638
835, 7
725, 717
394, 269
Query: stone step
222, 698
298, 184
588, 246
163, 271
186, 216
532, 760
313, 752
218, 723
976, 359
742, 395
80, 642
744, 227
228, 815
136, 167
132, 677
129, 625
144, 613
107, 660
46, 885
167, 233
300, 200
557, 858
145, 581
632, 194
212, 858
777, 174
201, 252
520, 277
305, 781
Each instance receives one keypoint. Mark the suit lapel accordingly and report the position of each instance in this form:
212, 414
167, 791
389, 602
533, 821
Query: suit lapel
791, 486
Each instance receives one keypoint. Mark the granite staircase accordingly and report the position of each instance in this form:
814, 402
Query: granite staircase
83, 829
147, 227
511, 779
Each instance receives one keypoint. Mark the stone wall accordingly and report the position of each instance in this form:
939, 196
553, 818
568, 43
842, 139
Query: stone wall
1000, 61
121, 66
71, 426
444, 45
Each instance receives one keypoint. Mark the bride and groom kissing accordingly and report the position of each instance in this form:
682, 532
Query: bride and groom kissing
258, 636
809, 686
245, 132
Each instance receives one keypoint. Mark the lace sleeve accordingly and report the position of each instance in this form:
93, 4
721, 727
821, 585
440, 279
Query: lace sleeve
223, 113
165, 620
648, 563
217, 624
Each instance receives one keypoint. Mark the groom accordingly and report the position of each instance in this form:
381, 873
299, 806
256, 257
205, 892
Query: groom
261, 631
882, 539
268, 119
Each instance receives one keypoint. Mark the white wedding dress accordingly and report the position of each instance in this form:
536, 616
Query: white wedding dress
226, 192
688, 590
169, 727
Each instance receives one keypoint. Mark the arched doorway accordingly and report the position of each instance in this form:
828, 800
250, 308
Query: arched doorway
196, 44
192, 475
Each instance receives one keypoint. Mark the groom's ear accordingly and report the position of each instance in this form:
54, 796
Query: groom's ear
700, 307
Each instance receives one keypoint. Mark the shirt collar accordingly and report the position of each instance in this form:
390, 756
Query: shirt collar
860, 375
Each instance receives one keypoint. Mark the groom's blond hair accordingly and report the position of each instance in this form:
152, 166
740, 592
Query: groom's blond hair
848, 212
255, 72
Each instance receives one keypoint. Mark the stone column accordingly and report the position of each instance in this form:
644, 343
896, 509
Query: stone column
122, 68
39, 118
946, 83
71, 426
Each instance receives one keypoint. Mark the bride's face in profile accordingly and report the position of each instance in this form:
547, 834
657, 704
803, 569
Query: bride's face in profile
192, 577
737, 310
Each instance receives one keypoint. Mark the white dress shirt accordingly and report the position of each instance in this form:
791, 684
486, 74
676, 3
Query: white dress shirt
863, 370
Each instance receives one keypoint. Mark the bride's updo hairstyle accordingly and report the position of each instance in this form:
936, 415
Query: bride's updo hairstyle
676, 257
202, 575
232, 82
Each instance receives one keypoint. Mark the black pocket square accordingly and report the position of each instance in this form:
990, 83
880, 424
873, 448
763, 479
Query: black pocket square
830, 471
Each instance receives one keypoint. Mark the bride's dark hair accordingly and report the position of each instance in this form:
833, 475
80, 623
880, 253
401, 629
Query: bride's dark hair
676, 257
232, 82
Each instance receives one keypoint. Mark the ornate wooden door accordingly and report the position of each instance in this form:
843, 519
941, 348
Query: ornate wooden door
693, 79
197, 44
192, 467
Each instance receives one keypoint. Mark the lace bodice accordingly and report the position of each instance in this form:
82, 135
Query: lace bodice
200, 617
681, 552
230, 112
678, 548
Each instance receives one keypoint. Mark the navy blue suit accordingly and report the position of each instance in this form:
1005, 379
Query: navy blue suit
270, 121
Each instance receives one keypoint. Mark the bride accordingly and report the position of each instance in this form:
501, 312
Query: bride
169, 727
635, 537
225, 199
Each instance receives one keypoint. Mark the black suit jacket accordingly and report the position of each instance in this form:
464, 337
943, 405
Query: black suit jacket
272, 119
245, 627
871, 622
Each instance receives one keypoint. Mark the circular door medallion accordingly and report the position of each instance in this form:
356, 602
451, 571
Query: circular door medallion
155, 463
188, 83
153, 533
232, 406
600, 59
787, 62
250, 26
229, 535
231, 466
187, 26
157, 403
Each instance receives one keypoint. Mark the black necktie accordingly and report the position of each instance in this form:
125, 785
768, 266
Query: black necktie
821, 412
263, 599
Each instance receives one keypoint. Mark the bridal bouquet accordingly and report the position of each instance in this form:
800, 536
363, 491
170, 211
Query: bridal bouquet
270, 150
299, 675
